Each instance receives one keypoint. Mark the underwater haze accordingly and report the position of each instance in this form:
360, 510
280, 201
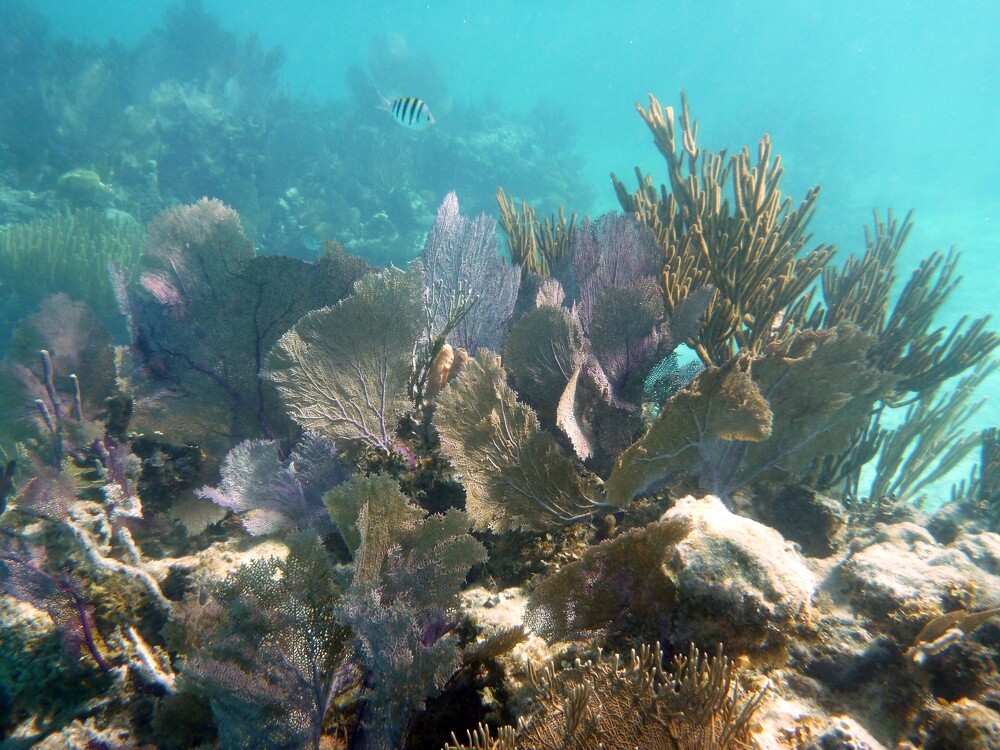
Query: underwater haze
886, 105
499, 376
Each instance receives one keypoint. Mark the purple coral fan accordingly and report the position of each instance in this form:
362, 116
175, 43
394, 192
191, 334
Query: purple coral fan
268, 494
613, 251
461, 256
23, 576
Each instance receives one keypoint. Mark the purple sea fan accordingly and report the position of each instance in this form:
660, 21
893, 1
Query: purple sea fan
616, 264
205, 311
270, 495
613, 251
462, 257
24, 577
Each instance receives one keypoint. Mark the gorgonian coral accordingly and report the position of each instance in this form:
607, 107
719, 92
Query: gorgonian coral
207, 310
515, 474
621, 703
805, 398
269, 494
402, 600
462, 257
269, 651
343, 371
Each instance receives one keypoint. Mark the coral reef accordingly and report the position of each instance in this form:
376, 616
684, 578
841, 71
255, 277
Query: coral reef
402, 599
270, 495
536, 246
191, 109
724, 430
312, 504
461, 258
673, 579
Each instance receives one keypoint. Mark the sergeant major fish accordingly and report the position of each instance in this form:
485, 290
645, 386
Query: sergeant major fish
410, 112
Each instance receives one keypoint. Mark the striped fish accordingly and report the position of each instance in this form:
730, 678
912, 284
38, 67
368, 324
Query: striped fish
411, 112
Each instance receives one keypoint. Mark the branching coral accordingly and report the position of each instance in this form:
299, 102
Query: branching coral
402, 598
109, 561
52, 401
921, 358
535, 246
928, 443
751, 251
624, 703
981, 491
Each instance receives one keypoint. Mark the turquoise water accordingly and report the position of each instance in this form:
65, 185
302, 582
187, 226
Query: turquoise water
884, 104
889, 104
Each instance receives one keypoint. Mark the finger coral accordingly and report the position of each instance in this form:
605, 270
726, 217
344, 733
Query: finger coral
751, 250
921, 357
70, 383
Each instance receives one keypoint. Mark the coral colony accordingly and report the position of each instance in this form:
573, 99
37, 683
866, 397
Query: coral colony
631, 487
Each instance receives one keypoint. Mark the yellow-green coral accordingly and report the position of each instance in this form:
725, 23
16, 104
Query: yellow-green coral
72, 252
535, 245
749, 248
